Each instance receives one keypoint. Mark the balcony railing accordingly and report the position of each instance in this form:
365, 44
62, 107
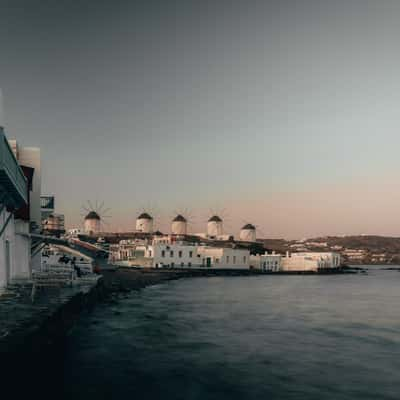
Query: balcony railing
12, 179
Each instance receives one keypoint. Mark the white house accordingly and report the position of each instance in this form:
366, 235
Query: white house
224, 257
15, 244
310, 261
266, 262
173, 255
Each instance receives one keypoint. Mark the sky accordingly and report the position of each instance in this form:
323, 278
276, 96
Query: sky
283, 113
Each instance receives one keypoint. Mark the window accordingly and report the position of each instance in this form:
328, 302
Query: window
180, 254
217, 261
171, 253
172, 265
227, 259
190, 254
163, 253
182, 264
198, 255
189, 264
149, 253
244, 259
234, 259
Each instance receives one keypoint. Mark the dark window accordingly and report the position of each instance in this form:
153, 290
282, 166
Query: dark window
180, 254
163, 253
171, 253
190, 254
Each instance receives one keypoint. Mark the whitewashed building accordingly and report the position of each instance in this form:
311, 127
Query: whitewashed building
15, 244
296, 262
224, 257
310, 261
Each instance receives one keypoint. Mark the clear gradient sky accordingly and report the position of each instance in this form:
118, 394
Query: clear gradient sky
284, 112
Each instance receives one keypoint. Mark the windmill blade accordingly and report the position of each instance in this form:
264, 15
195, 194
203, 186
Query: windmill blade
101, 207
106, 210
91, 205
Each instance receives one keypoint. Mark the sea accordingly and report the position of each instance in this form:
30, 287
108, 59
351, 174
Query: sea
280, 337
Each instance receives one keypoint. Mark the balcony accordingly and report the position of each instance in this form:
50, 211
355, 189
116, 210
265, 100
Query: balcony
13, 184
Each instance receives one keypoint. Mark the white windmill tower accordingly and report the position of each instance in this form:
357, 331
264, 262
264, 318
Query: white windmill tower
179, 225
94, 217
181, 221
216, 222
215, 226
144, 223
248, 233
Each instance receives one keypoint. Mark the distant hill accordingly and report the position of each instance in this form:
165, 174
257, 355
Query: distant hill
360, 249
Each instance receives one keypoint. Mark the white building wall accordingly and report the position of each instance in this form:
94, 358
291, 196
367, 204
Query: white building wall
271, 262
18, 265
299, 264
7, 236
311, 261
327, 259
22, 255
224, 257
174, 255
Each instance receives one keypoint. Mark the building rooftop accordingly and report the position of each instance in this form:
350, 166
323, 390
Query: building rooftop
215, 218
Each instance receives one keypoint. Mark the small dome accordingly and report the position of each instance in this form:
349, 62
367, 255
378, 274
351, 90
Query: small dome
93, 215
179, 218
215, 218
158, 233
144, 216
249, 226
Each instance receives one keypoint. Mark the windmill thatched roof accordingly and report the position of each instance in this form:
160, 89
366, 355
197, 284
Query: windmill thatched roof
144, 216
215, 218
249, 226
179, 218
93, 215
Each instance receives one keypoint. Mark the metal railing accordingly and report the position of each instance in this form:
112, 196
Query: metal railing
10, 167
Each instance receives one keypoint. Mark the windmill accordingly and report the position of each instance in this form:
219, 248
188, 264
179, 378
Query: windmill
216, 217
147, 218
248, 232
181, 219
95, 216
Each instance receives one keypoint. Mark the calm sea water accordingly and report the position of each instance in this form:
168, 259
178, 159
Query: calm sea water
274, 337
